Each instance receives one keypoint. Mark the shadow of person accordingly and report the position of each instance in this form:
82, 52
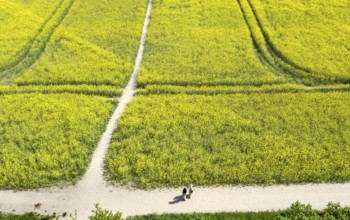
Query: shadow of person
177, 199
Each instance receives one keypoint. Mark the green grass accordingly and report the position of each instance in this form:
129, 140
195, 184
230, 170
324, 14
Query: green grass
171, 140
209, 216
45, 139
100, 90
201, 43
26, 216
215, 90
296, 211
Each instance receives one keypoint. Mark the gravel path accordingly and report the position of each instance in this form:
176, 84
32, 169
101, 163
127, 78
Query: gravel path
134, 202
92, 188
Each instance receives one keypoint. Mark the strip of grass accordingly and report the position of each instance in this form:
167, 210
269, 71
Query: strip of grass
99, 90
26, 216
296, 211
214, 90
210, 216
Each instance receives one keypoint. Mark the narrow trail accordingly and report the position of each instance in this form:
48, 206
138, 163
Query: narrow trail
93, 189
94, 175
136, 202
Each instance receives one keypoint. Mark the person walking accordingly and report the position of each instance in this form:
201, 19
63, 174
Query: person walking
190, 190
184, 192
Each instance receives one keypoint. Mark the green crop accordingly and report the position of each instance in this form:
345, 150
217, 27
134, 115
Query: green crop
39, 7
22, 25
312, 37
74, 61
45, 139
114, 26
95, 44
18, 26
201, 43
47, 134
74, 45
213, 90
100, 90
247, 42
224, 91
173, 140
36, 46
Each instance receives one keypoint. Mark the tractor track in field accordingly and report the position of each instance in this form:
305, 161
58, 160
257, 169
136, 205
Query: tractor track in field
28, 59
92, 188
25, 51
268, 53
259, 51
271, 46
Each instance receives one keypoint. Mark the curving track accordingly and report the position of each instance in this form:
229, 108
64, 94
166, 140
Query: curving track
37, 45
268, 52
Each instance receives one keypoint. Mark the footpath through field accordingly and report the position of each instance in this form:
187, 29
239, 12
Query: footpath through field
92, 188
135, 202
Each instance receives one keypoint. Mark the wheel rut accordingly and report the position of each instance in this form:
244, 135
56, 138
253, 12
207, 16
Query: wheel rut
268, 52
37, 45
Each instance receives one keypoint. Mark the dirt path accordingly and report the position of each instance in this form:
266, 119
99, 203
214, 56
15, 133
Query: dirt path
159, 201
92, 188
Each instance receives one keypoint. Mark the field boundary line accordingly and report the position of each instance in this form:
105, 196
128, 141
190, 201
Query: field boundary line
175, 91
63, 83
262, 50
48, 90
242, 90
